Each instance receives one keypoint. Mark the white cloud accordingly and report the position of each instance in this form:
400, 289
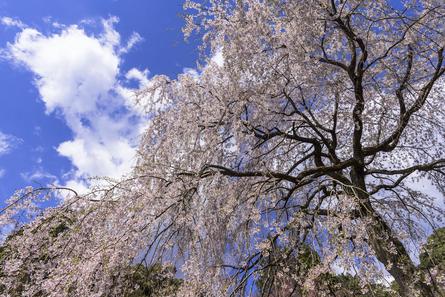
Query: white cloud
7, 143
2, 172
38, 175
11, 22
141, 77
132, 41
73, 69
77, 76
218, 58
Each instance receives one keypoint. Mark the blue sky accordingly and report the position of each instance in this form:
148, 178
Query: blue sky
67, 72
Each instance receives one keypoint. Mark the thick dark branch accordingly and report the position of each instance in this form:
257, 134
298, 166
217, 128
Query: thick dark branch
403, 84
230, 172
276, 132
355, 71
299, 179
391, 142
315, 126
354, 214
424, 167
334, 122
404, 173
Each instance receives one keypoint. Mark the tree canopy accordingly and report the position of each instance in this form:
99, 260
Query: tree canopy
307, 127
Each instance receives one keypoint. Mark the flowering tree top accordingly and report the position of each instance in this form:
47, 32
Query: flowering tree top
311, 128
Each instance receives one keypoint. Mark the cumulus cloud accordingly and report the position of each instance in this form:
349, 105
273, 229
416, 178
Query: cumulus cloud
78, 75
73, 70
141, 78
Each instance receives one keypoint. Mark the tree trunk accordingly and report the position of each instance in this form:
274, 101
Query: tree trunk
389, 250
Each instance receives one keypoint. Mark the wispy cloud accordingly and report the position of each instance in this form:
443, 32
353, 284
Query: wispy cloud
38, 176
12, 22
7, 143
134, 39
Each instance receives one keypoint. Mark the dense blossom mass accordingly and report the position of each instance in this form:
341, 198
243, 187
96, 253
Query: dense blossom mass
305, 155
